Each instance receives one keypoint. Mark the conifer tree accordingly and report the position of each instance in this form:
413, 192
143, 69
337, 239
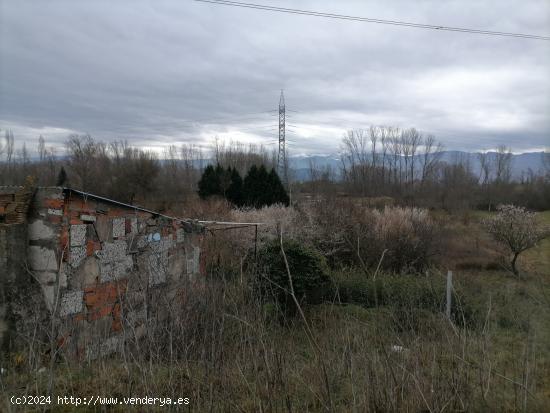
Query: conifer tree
234, 193
264, 190
224, 178
261, 188
278, 192
250, 186
209, 184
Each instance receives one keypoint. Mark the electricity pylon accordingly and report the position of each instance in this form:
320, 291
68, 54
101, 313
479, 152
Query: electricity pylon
281, 158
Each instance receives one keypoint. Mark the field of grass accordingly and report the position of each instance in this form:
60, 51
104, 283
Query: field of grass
354, 354
539, 256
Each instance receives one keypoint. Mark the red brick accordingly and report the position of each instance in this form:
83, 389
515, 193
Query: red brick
116, 310
114, 213
77, 203
100, 312
55, 219
92, 246
106, 293
54, 203
116, 325
117, 322
63, 238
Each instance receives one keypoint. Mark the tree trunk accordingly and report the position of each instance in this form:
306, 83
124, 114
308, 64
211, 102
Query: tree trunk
513, 264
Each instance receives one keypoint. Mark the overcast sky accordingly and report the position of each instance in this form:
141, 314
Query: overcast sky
166, 72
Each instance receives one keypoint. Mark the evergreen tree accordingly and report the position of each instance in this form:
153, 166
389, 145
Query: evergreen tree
209, 183
250, 186
263, 192
224, 179
234, 193
278, 192
261, 188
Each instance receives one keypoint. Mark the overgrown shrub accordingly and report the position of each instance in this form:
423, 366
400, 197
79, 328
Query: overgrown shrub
407, 235
349, 234
271, 217
308, 269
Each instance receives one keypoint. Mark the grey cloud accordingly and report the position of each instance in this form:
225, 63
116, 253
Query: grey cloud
141, 70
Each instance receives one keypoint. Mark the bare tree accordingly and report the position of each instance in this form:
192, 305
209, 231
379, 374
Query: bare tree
503, 164
396, 155
485, 167
355, 159
23, 156
385, 141
431, 157
485, 173
41, 148
192, 163
82, 152
415, 140
406, 146
373, 134
240, 156
9, 146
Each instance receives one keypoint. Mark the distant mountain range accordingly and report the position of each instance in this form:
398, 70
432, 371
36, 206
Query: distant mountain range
300, 164
521, 163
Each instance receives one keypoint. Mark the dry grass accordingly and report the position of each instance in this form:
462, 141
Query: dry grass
227, 351
377, 360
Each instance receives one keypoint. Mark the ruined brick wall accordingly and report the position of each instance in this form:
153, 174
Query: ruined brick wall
14, 202
108, 271
13, 244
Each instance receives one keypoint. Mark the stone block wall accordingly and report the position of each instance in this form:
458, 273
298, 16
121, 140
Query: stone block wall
106, 270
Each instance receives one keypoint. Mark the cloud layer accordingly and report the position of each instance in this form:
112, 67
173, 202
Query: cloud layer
167, 72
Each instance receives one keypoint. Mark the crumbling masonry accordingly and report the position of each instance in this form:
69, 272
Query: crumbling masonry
94, 269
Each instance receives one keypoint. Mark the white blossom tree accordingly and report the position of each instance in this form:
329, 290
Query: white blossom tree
516, 229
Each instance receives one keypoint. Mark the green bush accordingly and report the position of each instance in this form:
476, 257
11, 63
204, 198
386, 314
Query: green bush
405, 293
308, 269
397, 291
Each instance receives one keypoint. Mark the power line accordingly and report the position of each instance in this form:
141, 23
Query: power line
372, 20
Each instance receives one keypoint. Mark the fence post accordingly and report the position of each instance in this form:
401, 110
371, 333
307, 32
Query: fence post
449, 291
255, 244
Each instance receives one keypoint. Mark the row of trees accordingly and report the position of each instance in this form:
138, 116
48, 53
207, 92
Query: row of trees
408, 166
379, 158
16, 163
379, 161
115, 169
259, 187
